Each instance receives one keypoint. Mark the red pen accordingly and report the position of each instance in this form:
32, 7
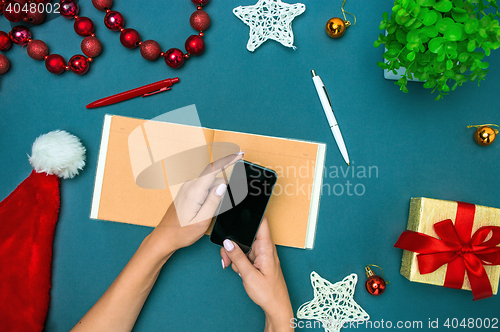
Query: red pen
143, 91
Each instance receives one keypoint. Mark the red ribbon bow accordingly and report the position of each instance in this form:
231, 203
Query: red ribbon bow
457, 249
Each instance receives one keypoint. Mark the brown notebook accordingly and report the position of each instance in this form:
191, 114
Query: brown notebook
120, 193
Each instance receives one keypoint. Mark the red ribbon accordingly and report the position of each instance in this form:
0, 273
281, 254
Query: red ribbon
457, 249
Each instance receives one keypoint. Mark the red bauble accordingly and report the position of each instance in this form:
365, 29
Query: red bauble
68, 8
375, 285
195, 45
130, 38
199, 20
102, 4
114, 21
5, 42
91, 46
4, 64
84, 26
55, 63
78, 64
150, 50
20, 35
35, 17
12, 14
174, 58
37, 49
200, 2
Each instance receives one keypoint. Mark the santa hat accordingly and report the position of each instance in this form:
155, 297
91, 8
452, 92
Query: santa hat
28, 217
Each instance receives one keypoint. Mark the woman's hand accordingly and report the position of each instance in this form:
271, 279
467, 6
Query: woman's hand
189, 217
262, 277
196, 204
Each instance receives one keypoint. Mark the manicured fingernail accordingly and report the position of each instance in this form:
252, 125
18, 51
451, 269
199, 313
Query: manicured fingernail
221, 189
223, 265
228, 244
240, 153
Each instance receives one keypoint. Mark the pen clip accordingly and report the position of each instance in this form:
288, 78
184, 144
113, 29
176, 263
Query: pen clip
155, 92
327, 96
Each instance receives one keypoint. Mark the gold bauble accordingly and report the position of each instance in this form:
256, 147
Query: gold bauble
485, 135
335, 27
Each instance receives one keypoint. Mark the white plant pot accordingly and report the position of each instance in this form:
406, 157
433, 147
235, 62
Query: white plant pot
389, 75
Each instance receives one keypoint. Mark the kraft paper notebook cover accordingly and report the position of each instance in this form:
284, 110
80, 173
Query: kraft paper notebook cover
293, 208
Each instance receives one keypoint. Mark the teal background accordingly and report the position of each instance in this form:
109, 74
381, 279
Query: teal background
420, 147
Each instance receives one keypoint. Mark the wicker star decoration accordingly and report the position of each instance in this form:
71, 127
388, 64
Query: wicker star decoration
333, 304
269, 19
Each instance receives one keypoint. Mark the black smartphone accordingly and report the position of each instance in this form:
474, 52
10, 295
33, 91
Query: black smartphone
242, 208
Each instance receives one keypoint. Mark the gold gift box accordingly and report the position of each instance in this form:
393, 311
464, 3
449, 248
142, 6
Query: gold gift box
424, 213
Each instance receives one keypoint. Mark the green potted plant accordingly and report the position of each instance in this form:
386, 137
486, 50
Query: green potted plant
441, 42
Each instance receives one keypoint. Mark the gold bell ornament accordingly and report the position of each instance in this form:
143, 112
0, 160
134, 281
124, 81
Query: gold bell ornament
336, 27
485, 134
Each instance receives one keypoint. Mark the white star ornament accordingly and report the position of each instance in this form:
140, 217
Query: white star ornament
333, 304
269, 19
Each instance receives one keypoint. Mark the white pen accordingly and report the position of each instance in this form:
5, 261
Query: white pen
327, 107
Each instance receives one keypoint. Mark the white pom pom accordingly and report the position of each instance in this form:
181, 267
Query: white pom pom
59, 153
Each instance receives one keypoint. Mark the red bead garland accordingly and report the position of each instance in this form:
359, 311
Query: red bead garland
68, 9
195, 45
150, 49
84, 26
13, 15
91, 46
130, 38
114, 21
200, 2
55, 64
20, 35
174, 58
35, 17
4, 64
5, 42
38, 50
200, 20
79, 64
102, 5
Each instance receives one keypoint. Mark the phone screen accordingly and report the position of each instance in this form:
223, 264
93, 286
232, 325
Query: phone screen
249, 189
